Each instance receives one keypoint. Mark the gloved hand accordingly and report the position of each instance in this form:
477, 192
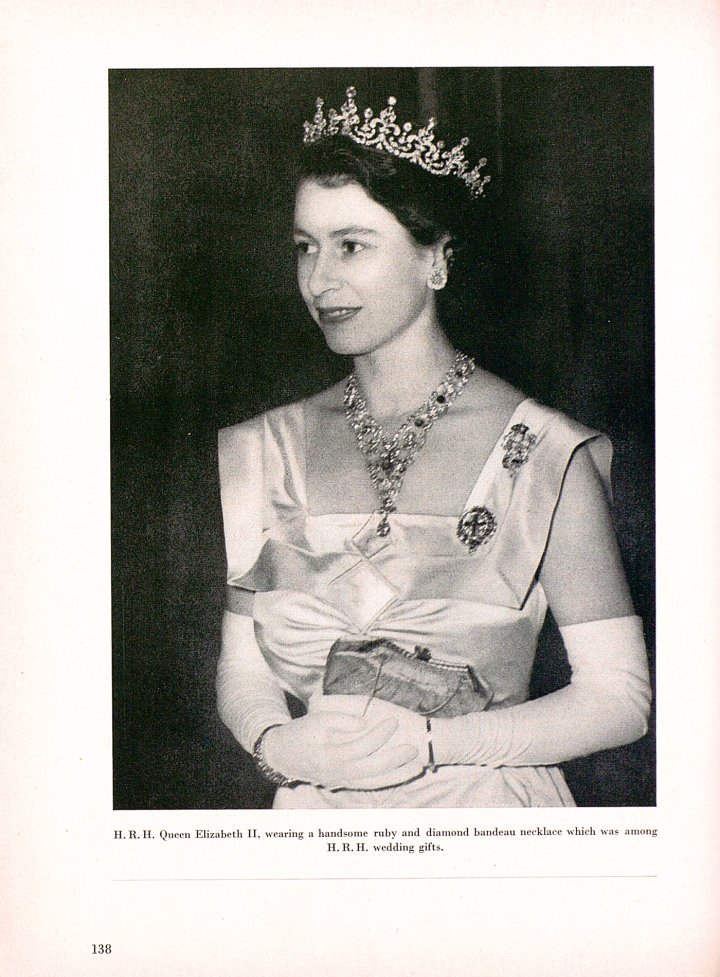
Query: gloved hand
408, 732
335, 746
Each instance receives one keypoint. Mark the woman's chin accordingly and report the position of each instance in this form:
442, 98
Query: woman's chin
344, 349
344, 343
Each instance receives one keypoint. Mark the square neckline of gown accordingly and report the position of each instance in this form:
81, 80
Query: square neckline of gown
484, 476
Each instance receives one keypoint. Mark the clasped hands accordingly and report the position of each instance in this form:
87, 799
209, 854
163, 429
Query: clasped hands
346, 742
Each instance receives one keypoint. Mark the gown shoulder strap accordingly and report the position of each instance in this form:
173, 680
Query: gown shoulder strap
521, 490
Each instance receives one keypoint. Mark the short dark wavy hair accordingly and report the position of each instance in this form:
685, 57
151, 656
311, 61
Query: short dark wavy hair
429, 207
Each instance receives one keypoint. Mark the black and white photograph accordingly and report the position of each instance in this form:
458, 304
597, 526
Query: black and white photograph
417, 305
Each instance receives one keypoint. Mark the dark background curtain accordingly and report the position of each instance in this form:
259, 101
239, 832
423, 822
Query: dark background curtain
207, 330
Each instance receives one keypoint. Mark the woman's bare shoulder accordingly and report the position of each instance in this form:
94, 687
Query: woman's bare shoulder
329, 400
492, 396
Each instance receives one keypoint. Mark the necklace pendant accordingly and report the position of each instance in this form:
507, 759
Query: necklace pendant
383, 528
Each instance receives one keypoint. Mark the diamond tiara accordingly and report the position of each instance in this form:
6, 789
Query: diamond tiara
384, 133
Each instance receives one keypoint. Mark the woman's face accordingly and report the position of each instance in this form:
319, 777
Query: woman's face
362, 275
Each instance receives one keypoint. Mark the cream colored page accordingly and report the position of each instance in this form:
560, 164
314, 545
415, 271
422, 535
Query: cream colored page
538, 904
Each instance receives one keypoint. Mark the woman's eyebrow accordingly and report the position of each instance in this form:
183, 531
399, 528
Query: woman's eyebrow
340, 232
353, 229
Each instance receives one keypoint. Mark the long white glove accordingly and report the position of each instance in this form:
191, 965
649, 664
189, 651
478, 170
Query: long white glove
606, 705
249, 698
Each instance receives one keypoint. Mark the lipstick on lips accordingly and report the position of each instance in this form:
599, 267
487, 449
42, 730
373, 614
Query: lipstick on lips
333, 314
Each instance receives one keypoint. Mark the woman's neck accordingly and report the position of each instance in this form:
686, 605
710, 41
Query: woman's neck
399, 377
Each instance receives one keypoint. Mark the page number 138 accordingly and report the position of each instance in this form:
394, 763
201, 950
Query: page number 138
101, 948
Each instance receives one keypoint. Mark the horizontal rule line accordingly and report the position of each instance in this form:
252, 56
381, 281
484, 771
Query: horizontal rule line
394, 878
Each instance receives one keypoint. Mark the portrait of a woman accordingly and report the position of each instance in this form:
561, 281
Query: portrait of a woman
395, 541
414, 569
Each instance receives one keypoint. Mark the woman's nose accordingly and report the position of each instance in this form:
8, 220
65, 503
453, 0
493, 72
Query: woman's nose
324, 275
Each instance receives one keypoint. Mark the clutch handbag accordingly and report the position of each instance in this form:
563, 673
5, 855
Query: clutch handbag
414, 680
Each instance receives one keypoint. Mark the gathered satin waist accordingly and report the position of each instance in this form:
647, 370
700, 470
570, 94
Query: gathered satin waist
296, 630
